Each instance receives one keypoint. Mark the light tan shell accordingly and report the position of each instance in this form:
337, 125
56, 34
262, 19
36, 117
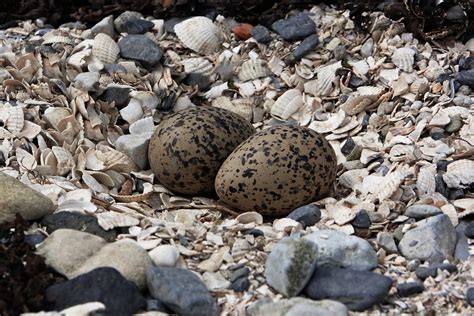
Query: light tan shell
287, 104
109, 220
198, 65
389, 185
442, 118
240, 248
199, 34
333, 122
131, 198
79, 59
420, 86
404, 58
57, 39
105, 49
360, 100
326, 75
250, 217
142, 126
253, 69
65, 161
16, 120
459, 174
425, 180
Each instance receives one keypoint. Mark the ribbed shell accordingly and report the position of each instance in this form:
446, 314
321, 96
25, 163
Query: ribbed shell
287, 104
199, 34
198, 65
323, 85
404, 58
105, 49
253, 69
358, 101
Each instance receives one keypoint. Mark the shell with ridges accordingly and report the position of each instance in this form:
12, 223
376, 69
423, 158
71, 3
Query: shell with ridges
404, 58
253, 69
459, 174
287, 104
199, 34
198, 65
105, 49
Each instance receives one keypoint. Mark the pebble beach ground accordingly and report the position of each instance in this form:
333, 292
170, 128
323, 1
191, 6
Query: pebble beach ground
97, 230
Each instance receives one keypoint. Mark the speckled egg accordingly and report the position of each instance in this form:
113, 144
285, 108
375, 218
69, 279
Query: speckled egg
277, 170
189, 146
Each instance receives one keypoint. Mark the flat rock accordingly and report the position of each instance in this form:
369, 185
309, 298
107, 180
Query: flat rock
106, 26
136, 147
297, 306
105, 285
433, 239
336, 248
136, 26
295, 27
17, 197
362, 220
410, 288
432, 271
462, 245
290, 264
123, 18
422, 211
261, 34
466, 77
66, 249
141, 49
241, 284
305, 47
125, 255
358, 290
470, 296
181, 291
308, 215
77, 221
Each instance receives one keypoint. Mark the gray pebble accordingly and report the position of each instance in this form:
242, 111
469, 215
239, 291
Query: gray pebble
362, 220
141, 49
308, 215
387, 242
469, 230
432, 271
410, 288
261, 34
305, 47
421, 211
470, 296
466, 77
455, 124
295, 28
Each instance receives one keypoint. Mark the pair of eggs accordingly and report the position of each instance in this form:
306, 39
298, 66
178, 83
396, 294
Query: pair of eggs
205, 149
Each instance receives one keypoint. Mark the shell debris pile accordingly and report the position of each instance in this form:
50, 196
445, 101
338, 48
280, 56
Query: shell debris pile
77, 119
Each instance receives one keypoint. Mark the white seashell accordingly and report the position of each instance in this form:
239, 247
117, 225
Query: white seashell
352, 179
304, 71
330, 124
250, 217
442, 118
198, 65
286, 225
199, 34
287, 104
16, 120
115, 160
109, 220
420, 86
326, 77
389, 184
105, 49
425, 180
276, 65
360, 100
65, 160
30, 130
340, 213
404, 58
142, 126
459, 174
81, 309
146, 99
57, 39
92, 183
253, 69
79, 59
360, 67
240, 248
87, 81
164, 255
450, 210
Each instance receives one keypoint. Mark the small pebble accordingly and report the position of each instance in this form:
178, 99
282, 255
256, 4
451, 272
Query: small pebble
362, 220
339, 52
261, 34
295, 27
305, 47
469, 230
243, 31
253, 231
425, 272
470, 296
348, 146
164, 255
412, 265
409, 288
141, 49
455, 124
421, 211
466, 77
387, 242
239, 273
437, 133
240, 285
455, 194
308, 215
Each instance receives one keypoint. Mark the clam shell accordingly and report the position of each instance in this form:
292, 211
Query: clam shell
425, 181
404, 58
242, 107
253, 69
459, 174
240, 248
16, 120
389, 185
330, 124
79, 59
105, 49
250, 217
352, 179
57, 39
287, 104
199, 34
198, 65
142, 126
420, 86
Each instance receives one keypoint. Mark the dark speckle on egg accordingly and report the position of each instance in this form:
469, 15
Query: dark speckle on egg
189, 146
277, 170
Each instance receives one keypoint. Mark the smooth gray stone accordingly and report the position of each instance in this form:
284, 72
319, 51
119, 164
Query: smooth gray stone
462, 245
295, 27
261, 34
387, 242
305, 47
433, 239
410, 288
106, 26
140, 48
466, 77
297, 306
307, 214
422, 211
181, 291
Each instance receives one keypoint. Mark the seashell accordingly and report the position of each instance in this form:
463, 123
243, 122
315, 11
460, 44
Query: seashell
253, 69
198, 65
425, 180
92, 182
276, 65
450, 210
360, 67
25, 159
419, 86
286, 225
250, 217
304, 71
240, 248
53, 116
109, 220
459, 174
466, 203
142, 126
442, 118
199, 34
340, 213
65, 160
352, 179
79, 59
389, 184
57, 39
287, 104
103, 178
16, 120
361, 99
116, 160
404, 58
131, 198
326, 77
105, 49
146, 99
30, 130
164, 255
330, 124
87, 81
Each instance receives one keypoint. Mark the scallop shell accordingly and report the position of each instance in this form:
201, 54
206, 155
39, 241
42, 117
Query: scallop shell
389, 185
404, 58
116, 160
326, 75
330, 124
240, 248
420, 86
253, 69
198, 65
242, 107
105, 49
287, 104
459, 174
199, 34
425, 181
142, 126
57, 39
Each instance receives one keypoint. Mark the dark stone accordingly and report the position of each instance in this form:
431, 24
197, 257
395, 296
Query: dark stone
169, 24
455, 194
34, 239
466, 77
181, 291
253, 231
240, 285
77, 221
358, 290
462, 244
105, 285
442, 165
469, 230
195, 79
261, 34
466, 63
437, 133
365, 123
239, 273
308, 215
356, 82
156, 305
340, 52
425, 272
362, 220
470, 296
442, 77
295, 28
410, 288
136, 26
348, 146
118, 95
441, 185
456, 14
141, 49
305, 47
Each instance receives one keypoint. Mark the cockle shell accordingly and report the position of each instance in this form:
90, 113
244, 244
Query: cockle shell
199, 34
198, 65
323, 85
459, 174
425, 180
243, 107
287, 104
15, 121
57, 39
404, 58
253, 69
105, 49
